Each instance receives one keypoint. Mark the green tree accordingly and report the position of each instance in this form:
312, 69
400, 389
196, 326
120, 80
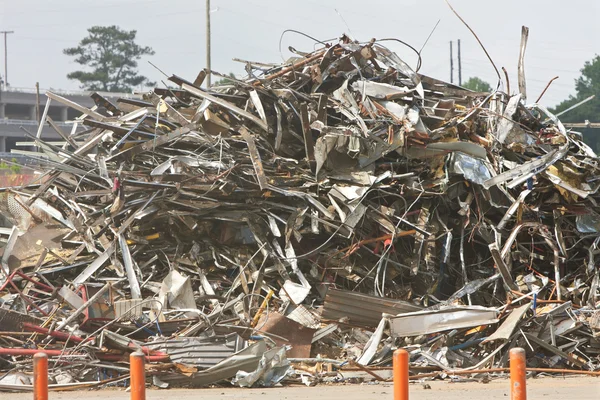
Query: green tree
225, 81
15, 168
111, 53
477, 85
586, 85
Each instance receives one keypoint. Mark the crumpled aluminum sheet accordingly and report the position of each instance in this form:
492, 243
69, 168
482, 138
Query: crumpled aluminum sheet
272, 369
473, 169
588, 223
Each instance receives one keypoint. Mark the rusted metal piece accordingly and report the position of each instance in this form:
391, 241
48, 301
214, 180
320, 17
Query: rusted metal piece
291, 333
292, 67
255, 157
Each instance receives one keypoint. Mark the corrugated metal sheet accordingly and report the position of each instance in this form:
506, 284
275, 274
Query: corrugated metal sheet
201, 352
245, 360
362, 309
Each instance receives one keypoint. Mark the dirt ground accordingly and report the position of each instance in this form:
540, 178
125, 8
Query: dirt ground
540, 388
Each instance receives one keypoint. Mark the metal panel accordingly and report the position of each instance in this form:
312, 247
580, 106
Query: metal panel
201, 352
426, 322
505, 331
362, 309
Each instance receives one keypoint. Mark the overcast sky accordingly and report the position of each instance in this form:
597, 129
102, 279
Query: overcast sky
563, 35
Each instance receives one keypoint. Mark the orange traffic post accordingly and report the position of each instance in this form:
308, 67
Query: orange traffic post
137, 377
518, 388
401, 374
40, 376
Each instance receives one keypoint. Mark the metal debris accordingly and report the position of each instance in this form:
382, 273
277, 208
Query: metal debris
341, 195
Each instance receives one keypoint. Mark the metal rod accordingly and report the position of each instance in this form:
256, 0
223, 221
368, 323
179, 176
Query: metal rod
546, 88
367, 370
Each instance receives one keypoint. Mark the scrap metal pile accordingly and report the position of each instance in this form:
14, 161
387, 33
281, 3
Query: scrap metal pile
298, 226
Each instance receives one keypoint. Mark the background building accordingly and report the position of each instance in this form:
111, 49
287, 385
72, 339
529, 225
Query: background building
18, 113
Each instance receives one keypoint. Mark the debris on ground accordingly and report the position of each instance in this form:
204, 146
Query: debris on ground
299, 226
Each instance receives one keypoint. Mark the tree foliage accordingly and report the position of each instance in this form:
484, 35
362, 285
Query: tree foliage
225, 81
586, 85
111, 54
476, 84
14, 167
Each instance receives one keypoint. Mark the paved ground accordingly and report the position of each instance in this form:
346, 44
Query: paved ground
541, 388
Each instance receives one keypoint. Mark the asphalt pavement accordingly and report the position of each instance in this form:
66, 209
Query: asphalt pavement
547, 388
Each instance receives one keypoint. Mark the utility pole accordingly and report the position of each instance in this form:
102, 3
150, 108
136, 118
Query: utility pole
37, 102
459, 66
5, 33
451, 65
208, 72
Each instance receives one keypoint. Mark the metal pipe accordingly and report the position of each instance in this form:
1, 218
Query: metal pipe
58, 335
27, 352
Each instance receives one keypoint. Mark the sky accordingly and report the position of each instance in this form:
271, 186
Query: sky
563, 35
